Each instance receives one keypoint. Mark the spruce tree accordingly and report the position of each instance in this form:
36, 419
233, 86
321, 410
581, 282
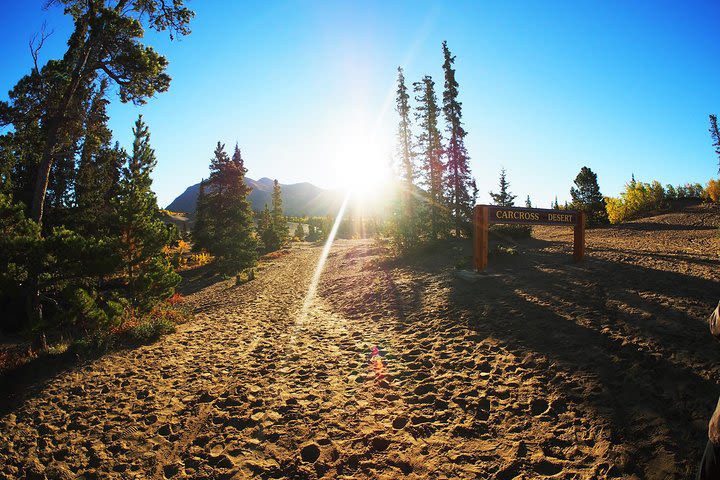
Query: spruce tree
299, 232
429, 143
459, 180
278, 219
715, 135
406, 231
201, 233
142, 233
231, 237
587, 197
98, 171
267, 232
504, 198
528, 203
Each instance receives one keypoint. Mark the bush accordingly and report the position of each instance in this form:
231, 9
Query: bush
515, 232
150, 330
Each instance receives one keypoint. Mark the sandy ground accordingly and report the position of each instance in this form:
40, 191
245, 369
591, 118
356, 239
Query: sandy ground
539, 368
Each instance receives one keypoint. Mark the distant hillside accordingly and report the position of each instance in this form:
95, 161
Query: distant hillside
298, 198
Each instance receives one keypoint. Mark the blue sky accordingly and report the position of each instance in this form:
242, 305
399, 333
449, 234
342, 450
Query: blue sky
307, 88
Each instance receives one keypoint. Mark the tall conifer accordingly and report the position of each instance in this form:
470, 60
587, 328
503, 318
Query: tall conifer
406, 221
142, 232
504, 198
715, 135
278, 219
429, 142
230, 229
459, 180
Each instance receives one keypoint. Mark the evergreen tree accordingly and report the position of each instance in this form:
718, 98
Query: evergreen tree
587, 197
201, 233
299, 232
715, 135
429, 142
278, 219
98, 171
47, 109
459, 180
142, 232
406, 231
268, 234
504, 198
230, 228
528, 203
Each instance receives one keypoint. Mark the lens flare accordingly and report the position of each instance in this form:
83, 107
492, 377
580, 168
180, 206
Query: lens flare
312, 289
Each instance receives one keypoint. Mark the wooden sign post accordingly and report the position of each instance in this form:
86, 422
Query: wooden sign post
485, 215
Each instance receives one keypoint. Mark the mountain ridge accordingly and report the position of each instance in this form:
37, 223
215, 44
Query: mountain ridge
299, 199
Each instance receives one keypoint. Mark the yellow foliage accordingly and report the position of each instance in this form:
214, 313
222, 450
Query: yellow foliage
712, 190
638, 197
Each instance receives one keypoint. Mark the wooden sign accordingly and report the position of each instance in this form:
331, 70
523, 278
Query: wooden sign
485, 215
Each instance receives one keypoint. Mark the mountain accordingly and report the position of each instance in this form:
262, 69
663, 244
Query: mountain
298, 198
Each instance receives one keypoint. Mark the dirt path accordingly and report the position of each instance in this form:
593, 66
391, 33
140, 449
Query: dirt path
251, 387
541, 368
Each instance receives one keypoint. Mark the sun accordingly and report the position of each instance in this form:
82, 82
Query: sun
363, 168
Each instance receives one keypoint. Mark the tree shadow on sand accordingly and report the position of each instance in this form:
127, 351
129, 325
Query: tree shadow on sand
639, 333
616, 323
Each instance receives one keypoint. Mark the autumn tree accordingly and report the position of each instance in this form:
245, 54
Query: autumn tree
459, 180
504, 198
429, 142
586, 197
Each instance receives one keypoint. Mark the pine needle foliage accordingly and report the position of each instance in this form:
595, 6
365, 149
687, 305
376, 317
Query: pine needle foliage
459, 180
429, 142
142, 233
504, 198
227, 231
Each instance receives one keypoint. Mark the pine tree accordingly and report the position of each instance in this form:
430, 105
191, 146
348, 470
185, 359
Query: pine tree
98, 171
407, 214
278, 219
229, 220
299, 232
459, 180
48, 107
504, 198
201, 233
142, 232
715, 135
587, 197
429, 142
268, 234
528, 203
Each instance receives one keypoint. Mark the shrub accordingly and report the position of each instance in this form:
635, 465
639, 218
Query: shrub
511, 231
150, 330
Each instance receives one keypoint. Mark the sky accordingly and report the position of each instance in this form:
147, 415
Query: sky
307, 89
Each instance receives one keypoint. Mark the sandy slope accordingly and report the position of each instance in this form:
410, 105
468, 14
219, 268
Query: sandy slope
540, 368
